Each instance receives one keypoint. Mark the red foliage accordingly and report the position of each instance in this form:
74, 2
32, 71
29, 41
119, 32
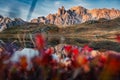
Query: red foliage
75, 51
118, 37
49, 51
47, 57
39, 41
102, 59
68, 48
113, 65
37, 60
84, 60
87, 48
23, 62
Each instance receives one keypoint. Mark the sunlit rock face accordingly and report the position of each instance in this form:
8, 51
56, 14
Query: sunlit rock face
77, 15
6, 22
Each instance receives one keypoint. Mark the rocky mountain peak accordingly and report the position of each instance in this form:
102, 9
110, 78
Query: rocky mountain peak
77, 8
61, 11
6, 22
77, 15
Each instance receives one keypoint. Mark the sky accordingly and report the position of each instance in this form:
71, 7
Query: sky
22, 8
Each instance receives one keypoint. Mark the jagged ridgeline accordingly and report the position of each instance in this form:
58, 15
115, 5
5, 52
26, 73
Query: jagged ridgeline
77, 15
6, 22
63, 17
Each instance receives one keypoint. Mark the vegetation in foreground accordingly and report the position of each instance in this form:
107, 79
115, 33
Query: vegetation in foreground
62, 62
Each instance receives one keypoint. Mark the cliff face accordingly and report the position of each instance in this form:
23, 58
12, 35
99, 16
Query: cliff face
77, 15
6, 22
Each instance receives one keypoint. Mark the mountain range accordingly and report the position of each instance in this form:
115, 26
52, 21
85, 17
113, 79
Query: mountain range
77, 15
63, 17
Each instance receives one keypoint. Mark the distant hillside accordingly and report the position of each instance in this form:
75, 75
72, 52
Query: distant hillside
92, 30
99, 34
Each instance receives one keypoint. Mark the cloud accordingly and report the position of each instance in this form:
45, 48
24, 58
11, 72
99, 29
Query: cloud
31, 10
14, 12
81, 3
13, 9
4, 11
57, 3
